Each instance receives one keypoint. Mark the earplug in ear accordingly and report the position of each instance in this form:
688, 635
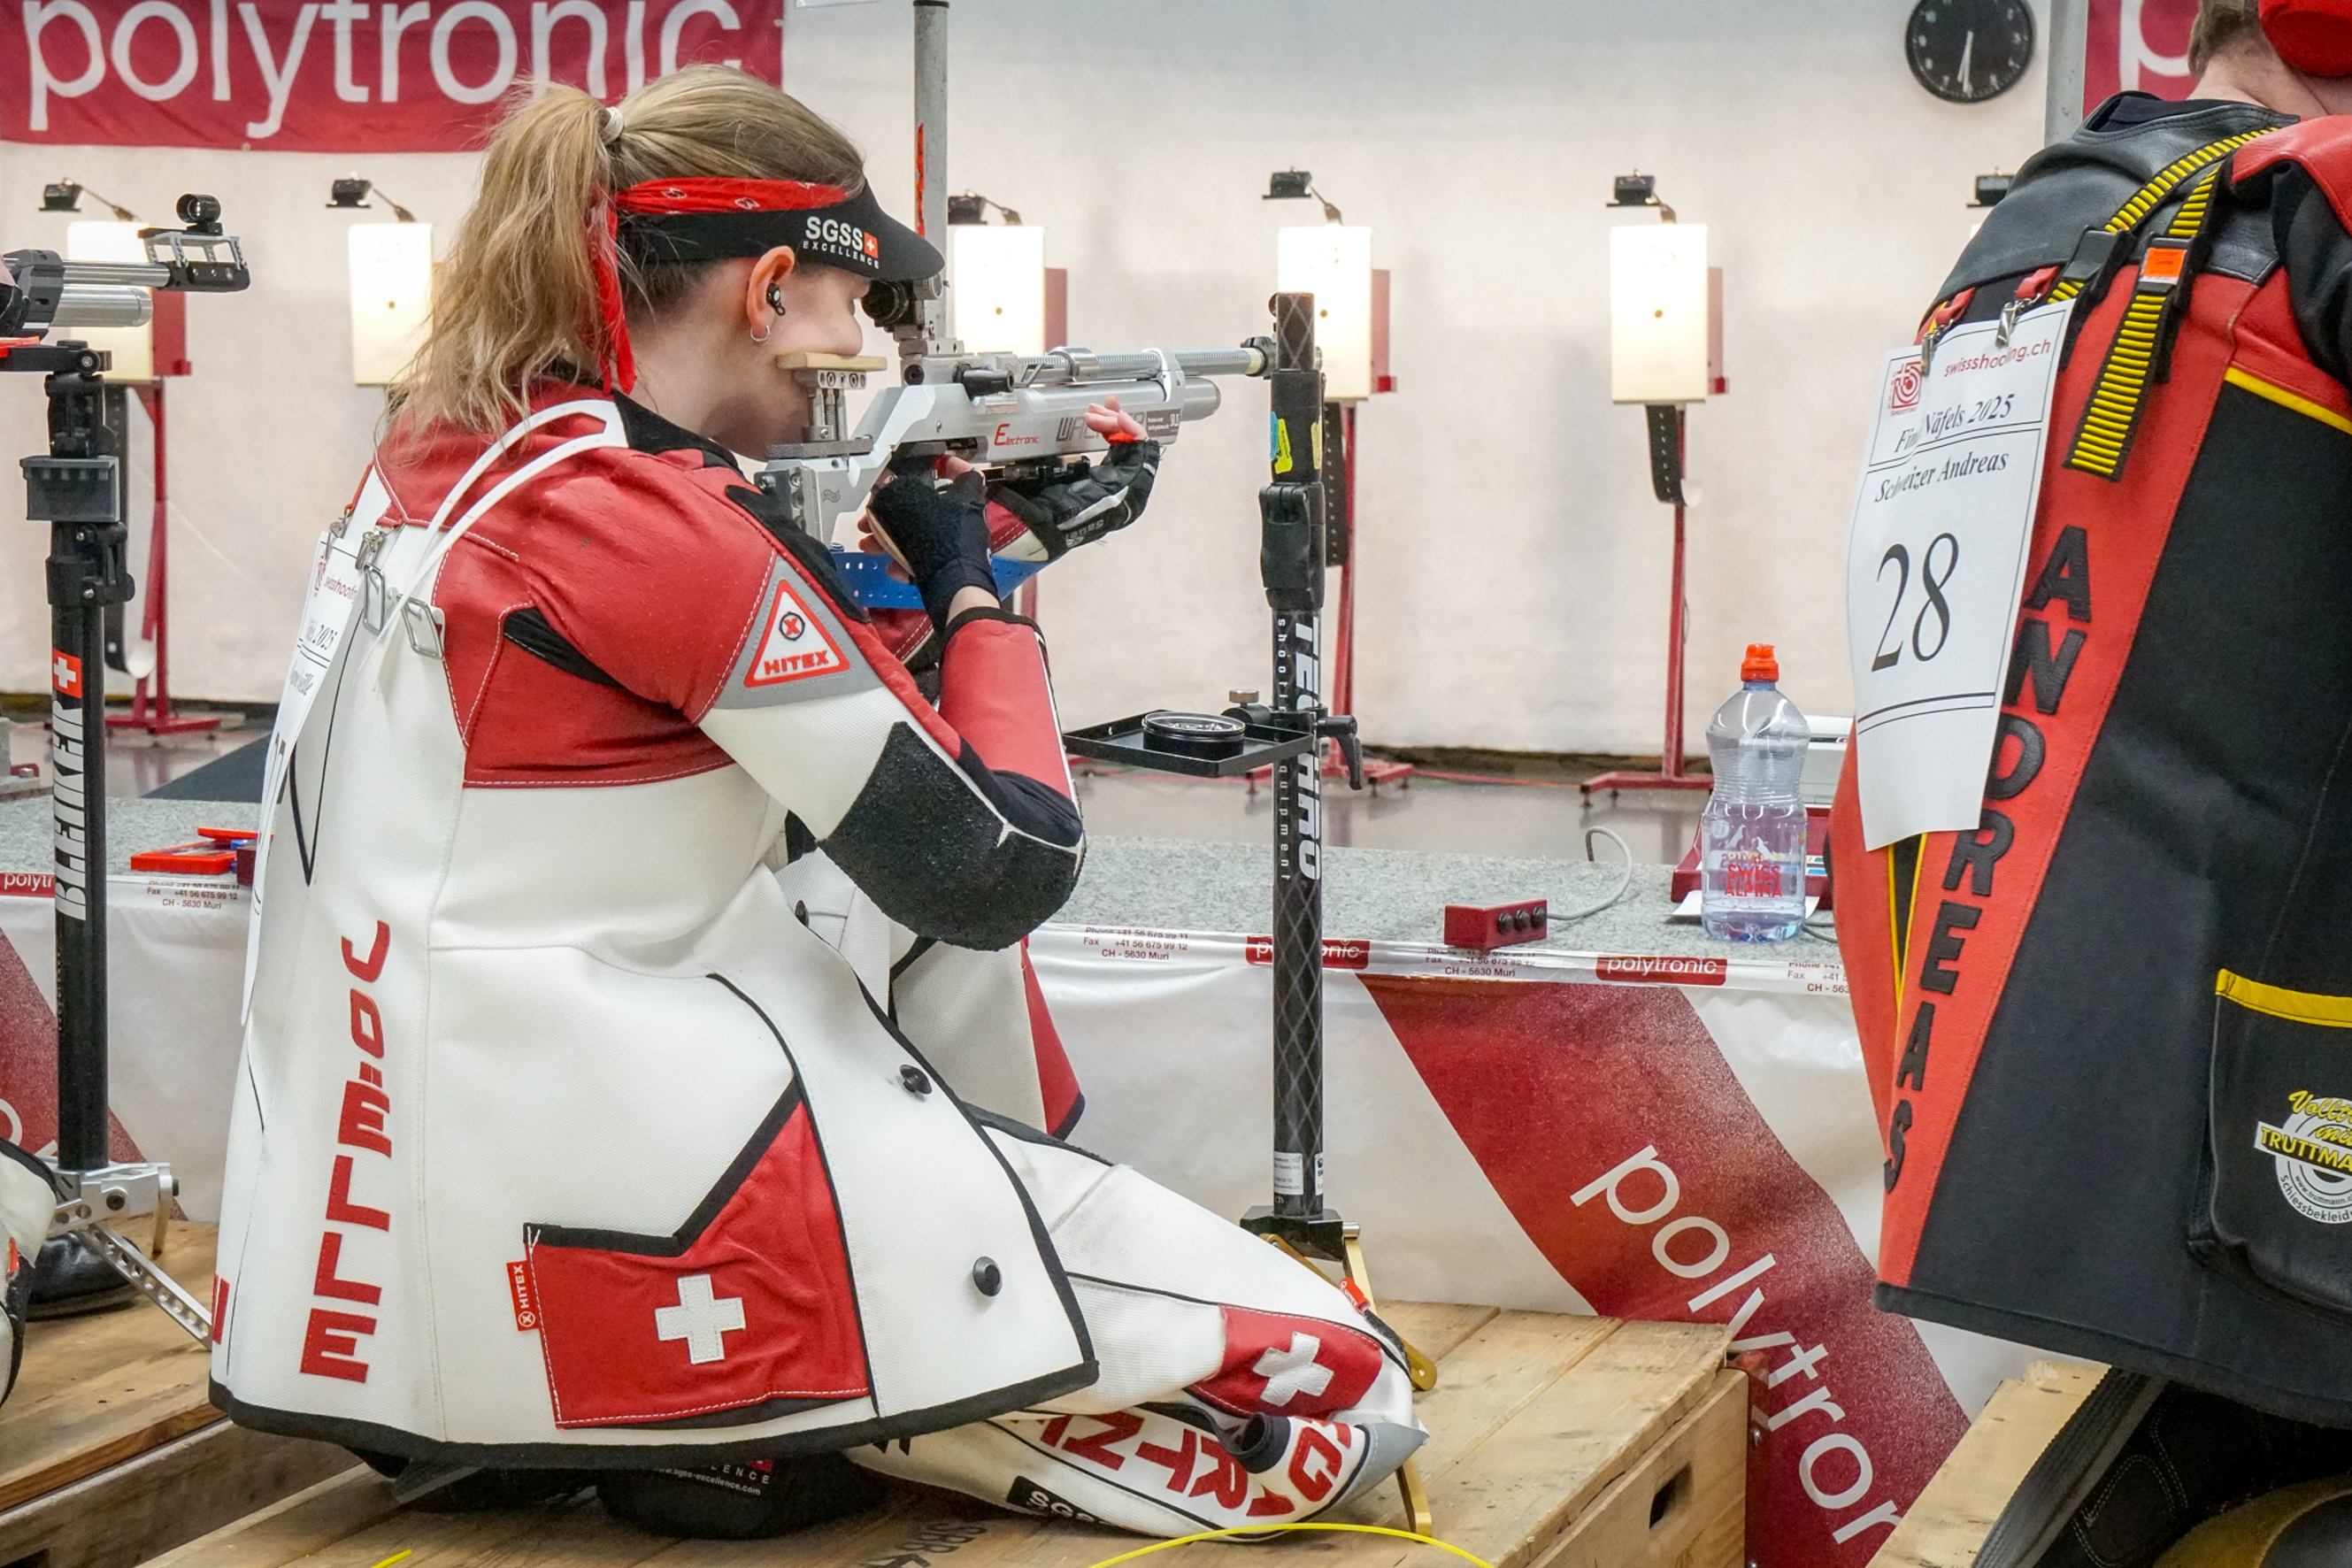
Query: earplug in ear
776, 298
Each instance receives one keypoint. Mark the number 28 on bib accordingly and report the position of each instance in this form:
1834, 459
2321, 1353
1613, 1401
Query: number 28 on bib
1936, 560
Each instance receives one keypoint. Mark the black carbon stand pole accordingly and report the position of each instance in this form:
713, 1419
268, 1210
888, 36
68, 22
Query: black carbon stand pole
78, 491
1291, 561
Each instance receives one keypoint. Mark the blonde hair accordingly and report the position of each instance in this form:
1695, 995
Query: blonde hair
515, 296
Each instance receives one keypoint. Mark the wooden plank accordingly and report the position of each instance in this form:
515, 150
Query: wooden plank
1544, 1467
1436, 1327
310, 1520
1547, 1432
1494, 1374
438, 1539
127, 1513
56, 1352
97, 1391
1948, 1523
1683, 1505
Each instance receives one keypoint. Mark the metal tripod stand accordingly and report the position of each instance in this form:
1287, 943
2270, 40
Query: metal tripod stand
77, 488
1286, 734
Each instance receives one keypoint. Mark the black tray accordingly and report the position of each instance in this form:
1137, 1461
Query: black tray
1121, 741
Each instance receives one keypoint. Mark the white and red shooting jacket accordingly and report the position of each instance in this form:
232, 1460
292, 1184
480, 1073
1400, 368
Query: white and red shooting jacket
528, 990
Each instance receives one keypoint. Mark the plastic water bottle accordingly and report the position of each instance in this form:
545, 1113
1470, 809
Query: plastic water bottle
1752, 835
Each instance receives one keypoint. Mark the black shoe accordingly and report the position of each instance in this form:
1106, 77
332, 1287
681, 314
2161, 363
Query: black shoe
746, 1502
69, 1280
2142, 1463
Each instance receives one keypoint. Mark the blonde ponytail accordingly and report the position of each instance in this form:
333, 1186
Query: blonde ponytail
515, 296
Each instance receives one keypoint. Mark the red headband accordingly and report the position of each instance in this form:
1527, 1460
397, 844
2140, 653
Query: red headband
681, 196
700, 196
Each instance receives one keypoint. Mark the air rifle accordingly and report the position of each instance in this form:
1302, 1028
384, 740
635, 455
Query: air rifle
1014, 416
41, 294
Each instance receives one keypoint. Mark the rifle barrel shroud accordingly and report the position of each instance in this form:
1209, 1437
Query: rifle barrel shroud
1073, 367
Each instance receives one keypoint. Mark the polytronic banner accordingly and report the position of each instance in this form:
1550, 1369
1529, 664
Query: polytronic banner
328, 76
1650, 1138
2138, 45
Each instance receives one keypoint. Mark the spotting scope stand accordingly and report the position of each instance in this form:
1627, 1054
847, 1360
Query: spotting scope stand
77, 488
1286, 734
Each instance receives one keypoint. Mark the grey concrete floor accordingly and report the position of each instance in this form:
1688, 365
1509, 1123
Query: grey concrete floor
137, 763
1438, 815
1434, 815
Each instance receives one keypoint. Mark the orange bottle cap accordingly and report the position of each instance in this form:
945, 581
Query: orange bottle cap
1760, 665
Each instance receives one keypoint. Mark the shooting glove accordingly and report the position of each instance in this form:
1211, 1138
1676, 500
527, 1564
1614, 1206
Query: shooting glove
941, 531
1082, 504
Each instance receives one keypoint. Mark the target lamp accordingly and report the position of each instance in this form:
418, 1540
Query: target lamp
392, 284
1333, 262
1662, 304
997, 280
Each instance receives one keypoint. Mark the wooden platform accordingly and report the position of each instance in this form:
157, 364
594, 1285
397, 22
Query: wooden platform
109, 1450
1947, 1525
1555, 1442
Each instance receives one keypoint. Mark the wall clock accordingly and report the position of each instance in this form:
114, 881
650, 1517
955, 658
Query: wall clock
1964, 51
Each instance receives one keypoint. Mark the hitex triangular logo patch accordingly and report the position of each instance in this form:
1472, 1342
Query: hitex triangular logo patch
795, 645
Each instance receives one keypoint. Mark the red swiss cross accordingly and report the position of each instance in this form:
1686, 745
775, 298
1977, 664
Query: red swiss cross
65, 674
755, 1306
1290, 1366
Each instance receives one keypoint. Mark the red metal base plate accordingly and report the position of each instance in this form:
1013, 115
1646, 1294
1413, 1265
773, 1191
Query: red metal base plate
177, 725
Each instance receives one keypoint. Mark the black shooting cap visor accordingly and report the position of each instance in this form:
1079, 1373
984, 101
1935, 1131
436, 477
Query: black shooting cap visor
854, 234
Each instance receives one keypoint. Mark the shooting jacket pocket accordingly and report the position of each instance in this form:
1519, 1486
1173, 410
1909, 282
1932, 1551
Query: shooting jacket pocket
2279, 1141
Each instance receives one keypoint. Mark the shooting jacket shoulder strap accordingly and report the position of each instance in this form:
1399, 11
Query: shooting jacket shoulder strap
2092, 177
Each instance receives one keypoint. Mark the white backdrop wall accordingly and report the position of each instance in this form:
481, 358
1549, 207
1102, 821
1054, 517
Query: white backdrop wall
1514, 587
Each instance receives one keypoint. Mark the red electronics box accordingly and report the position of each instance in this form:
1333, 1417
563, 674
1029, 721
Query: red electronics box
220, 851
1817, 873
1485, 926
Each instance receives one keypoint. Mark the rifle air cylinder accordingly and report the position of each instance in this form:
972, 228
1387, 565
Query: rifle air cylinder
86, 305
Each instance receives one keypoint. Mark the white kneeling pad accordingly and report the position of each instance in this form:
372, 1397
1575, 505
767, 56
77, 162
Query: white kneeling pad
28, 1197
1238, 1387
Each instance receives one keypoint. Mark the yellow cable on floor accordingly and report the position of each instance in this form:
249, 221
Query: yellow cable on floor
1270, 1529
404, 1551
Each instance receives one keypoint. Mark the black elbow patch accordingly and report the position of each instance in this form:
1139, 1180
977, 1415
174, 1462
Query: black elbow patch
945, 862
1032, 807
531, 631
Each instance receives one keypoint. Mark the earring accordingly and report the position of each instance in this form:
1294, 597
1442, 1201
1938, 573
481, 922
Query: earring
775, 303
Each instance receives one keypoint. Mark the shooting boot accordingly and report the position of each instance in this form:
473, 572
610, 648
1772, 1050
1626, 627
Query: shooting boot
2141, 1464
747, 1501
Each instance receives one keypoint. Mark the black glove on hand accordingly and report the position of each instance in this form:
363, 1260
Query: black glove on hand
941, 532
1082, 505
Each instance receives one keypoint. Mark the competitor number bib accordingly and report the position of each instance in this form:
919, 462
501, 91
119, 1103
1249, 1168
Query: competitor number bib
1936, 560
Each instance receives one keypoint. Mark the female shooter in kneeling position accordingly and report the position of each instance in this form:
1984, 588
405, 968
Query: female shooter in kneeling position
560, 1144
